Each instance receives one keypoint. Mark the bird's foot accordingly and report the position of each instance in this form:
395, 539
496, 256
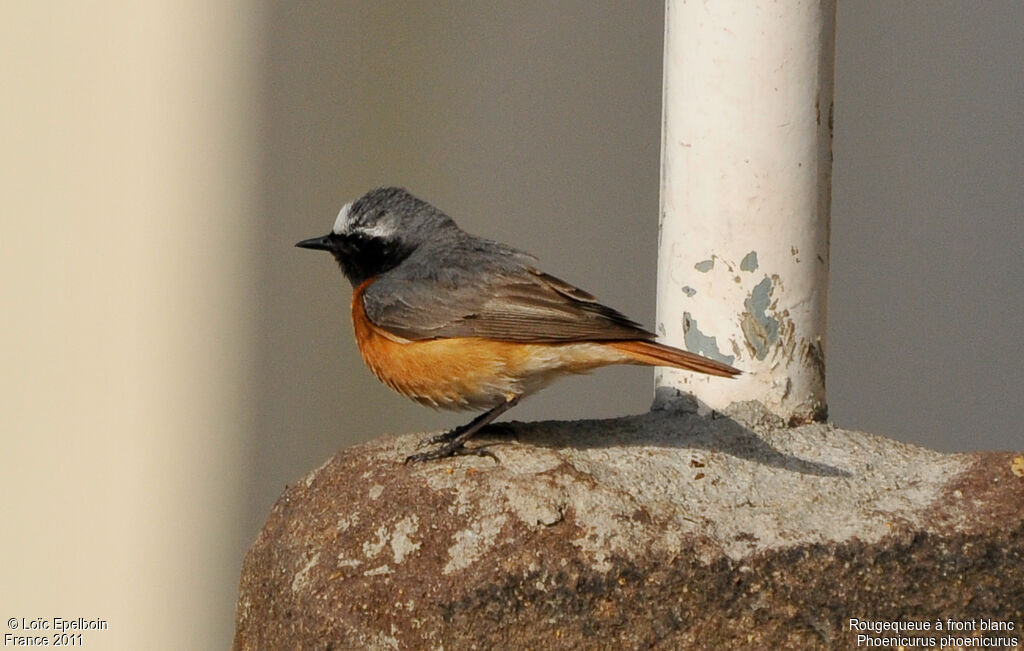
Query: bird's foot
455, 440
452, 449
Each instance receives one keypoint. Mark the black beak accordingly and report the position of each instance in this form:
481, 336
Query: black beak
319, 243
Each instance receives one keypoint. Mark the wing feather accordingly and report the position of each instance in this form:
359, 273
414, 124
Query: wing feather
516, 303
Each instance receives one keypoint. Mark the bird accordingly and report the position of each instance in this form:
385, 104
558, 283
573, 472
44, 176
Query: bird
456, 321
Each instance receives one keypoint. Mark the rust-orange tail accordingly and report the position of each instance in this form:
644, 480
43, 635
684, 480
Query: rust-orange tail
655, 354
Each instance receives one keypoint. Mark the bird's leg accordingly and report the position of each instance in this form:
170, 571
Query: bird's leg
443, 437
478, 425
495, 429
454, 440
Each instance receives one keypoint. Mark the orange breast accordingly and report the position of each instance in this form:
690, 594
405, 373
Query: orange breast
468, 372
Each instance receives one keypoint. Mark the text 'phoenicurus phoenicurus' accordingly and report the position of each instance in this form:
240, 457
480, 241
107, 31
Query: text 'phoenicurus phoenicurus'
456, 321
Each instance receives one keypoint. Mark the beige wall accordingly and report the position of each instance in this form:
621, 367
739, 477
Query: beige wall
170, 361
129, 167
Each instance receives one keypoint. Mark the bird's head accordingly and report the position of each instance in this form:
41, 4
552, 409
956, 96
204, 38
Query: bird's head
378, 230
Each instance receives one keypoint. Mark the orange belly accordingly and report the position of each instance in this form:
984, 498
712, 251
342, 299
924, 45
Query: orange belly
467, 372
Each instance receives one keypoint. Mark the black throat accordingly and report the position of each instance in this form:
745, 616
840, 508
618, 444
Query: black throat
362, 257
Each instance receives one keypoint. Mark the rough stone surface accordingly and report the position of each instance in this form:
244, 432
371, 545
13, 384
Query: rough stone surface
665, 530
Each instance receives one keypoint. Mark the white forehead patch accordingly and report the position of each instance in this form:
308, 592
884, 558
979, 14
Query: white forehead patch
341, 223
383, 229
346, 224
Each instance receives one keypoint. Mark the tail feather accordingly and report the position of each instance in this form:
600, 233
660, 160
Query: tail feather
655, 354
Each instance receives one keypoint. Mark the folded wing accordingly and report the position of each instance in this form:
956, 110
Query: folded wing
518, 305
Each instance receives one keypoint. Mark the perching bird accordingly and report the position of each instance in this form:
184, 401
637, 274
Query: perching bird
456, 321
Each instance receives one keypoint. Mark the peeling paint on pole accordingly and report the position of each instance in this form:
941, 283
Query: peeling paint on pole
749, 262
760, 327
698, 342
746, 174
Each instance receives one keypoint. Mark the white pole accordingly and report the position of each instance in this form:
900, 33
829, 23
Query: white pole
745, 193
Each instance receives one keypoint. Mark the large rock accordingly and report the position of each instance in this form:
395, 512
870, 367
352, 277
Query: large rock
666, 530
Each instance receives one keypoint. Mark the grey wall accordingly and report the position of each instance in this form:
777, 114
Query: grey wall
926, 317
538, 124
